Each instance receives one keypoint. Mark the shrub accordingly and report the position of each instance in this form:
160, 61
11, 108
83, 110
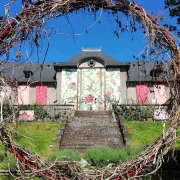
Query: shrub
134, 113
102, 156
65, 155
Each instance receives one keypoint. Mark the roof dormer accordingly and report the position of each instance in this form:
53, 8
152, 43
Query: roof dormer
27, 73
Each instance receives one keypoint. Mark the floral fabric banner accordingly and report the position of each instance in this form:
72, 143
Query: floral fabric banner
95, 88
69, 86
141, 94
41, 94
113, 89
100, 87
92, 89
160, 94
23, 94
27, 115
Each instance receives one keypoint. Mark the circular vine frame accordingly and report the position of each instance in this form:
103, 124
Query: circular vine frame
32, 17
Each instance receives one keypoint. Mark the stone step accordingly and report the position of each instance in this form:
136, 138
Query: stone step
100, 137
90, 129
90, 121
87, 146
87, 129
93, 113
90, 143
91, 132
114, 143
104, 118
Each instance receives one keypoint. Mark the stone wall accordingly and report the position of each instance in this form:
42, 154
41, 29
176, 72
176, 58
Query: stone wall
47, 113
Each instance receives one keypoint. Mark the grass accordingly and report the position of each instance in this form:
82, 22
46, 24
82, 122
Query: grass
143, 133
41, 134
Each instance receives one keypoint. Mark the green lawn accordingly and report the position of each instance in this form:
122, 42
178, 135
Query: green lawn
144, 133
41, 134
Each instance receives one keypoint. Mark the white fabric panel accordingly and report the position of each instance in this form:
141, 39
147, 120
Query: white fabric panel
23, 94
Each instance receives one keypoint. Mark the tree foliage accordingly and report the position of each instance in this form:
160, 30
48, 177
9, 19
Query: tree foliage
174, 12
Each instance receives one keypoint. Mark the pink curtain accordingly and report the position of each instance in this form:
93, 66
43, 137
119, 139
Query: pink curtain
41, 94
160, 94
141, 94
23, 94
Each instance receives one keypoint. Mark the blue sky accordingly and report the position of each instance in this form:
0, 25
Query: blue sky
62, 47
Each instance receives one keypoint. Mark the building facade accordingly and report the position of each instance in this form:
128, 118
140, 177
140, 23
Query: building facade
89, 80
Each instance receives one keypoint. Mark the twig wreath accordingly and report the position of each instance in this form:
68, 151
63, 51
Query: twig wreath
28, 25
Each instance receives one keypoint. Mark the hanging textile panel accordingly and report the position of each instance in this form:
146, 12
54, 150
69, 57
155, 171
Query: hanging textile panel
23, 94
92, 89
69, 86
160, 94
141, 94
41, 94
113, 87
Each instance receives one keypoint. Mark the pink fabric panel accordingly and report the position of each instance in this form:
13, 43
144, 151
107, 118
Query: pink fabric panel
23, 95
141, 94
160, 94
41, 94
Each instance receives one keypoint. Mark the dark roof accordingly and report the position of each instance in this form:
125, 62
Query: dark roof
140, 71
85, 55
44, 72
41, 72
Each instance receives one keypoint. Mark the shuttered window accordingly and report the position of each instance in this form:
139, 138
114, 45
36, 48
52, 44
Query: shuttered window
23, 94
160, 94
41, 94
141, 94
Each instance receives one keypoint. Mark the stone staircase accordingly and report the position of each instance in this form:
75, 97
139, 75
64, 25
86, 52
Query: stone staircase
90, 129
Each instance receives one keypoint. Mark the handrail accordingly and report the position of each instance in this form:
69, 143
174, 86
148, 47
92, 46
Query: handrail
118, 119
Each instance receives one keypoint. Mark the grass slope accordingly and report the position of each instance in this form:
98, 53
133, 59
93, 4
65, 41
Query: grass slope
42, 135
144, 133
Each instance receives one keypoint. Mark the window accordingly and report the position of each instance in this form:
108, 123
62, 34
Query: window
160, 94
141, 94
23, 94
91, 63
28, 74
41, 94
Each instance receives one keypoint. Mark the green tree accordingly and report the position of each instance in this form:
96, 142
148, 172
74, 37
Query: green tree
174, 12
